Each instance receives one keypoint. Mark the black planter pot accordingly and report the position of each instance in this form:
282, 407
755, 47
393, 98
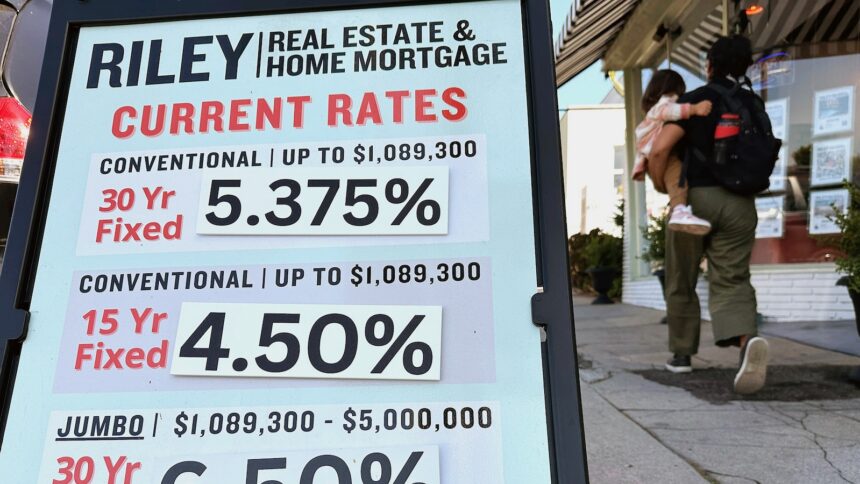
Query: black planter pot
601, 281
855, 298
661, 276
854, 374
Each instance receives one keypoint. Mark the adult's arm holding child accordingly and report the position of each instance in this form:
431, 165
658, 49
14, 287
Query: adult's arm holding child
674, 111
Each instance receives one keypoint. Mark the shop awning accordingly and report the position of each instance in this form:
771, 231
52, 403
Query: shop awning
622, 32
589, 30
783, 23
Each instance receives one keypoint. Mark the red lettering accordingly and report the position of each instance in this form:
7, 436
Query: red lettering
238, 115
146, 126
339, 104
422, 104
272, 114
397, 98
449, 97
369, 109
83, 354
211, 112
134, 358
120, 231
152, 231
182, 113
130, 232
104, 228
99, 357
298, 103
116, 129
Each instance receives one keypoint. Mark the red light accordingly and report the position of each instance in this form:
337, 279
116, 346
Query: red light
14, 130
754, 9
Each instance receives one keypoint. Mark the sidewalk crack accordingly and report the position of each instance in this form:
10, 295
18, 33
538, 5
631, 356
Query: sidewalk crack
823, 450
722, 474
814, 439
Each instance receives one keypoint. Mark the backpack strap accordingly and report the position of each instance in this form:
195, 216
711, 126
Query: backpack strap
727, 95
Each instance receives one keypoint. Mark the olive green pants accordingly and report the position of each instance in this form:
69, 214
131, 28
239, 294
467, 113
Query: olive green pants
728, 249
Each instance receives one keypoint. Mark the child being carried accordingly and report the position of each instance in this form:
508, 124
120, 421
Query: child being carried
660, 103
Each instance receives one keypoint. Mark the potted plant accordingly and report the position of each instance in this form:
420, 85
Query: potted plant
849, 224
655, 234
604, 254
579, 278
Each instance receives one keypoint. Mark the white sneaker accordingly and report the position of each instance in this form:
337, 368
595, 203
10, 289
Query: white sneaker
753, 368
683, 220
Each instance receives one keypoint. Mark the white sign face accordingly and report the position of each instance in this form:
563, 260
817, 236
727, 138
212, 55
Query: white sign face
770, 217
292, 248
831, 162
834, 111
823, 205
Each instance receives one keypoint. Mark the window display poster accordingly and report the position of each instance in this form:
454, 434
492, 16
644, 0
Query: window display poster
780, 171
777, 110
770, 217
285, 256
834, 111
770, 71
823, 205
831, 161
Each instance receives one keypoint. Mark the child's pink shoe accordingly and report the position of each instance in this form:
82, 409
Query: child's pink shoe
683, 220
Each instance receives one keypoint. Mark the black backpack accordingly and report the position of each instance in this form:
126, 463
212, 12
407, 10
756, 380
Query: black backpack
743, 163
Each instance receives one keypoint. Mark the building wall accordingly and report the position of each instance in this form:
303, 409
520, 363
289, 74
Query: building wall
590, 135
805, 293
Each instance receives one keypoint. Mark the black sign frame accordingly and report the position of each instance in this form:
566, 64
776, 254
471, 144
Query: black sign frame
552, 306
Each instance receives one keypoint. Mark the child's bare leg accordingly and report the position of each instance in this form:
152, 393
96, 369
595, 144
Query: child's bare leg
672, 180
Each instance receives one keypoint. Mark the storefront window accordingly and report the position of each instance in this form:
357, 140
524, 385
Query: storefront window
811, 95
811, 98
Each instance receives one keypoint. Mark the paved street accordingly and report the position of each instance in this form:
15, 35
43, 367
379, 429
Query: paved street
646, 425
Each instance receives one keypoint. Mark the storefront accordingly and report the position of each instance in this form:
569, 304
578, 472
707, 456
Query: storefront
808, 72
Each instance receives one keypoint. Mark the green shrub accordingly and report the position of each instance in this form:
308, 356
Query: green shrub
655, 234
604, 250
591, 250
579, 279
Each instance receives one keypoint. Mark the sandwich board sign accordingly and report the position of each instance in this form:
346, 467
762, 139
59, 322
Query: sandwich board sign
291, 242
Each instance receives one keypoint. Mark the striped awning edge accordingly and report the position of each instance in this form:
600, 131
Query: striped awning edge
589, 29
821, 25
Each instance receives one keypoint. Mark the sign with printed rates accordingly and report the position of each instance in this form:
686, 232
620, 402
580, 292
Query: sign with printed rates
288, 247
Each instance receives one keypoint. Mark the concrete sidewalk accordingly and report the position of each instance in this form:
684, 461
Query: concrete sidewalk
646, 425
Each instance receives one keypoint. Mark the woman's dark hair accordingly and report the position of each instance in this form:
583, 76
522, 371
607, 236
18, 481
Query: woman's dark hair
665, 81
730, 56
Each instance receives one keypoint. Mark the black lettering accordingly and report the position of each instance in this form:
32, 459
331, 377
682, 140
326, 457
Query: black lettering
134, 63
64, 432
189, 57
232, 54
99, 64
152, 75
184, 467
276, 41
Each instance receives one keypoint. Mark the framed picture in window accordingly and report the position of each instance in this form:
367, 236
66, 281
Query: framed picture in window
777, 111
780, 171
834, 111
770, 217
831, 161
823, 205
